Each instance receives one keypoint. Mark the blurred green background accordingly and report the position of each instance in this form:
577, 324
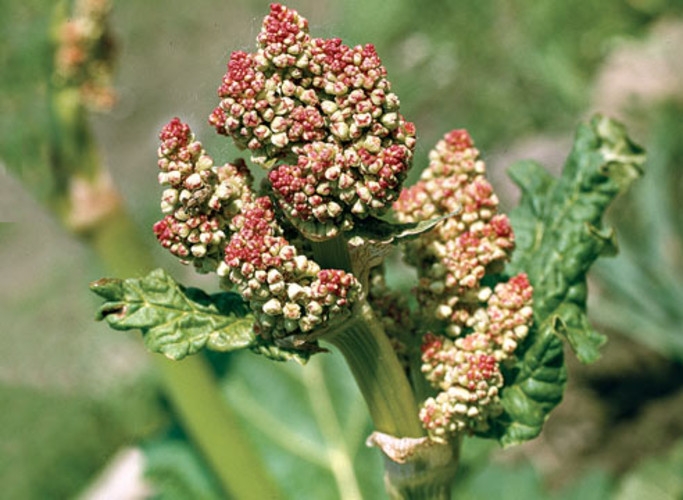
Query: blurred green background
520, 75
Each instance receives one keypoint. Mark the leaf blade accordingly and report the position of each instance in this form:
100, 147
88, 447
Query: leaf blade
175, 321
559, 232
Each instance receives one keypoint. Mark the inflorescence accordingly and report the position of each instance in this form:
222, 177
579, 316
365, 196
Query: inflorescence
321, 117
482, 325
84, 58
214, 220
324, 114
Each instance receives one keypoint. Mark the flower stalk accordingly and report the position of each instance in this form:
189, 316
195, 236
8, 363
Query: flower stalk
378, 373
332, 253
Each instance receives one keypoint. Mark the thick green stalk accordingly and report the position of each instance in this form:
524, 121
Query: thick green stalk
422, 479
378, 373
415, 467
370, 356
427, 471
332, 254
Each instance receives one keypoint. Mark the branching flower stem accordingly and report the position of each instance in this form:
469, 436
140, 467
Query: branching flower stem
378, 373
388, 395
332, 254
371, 358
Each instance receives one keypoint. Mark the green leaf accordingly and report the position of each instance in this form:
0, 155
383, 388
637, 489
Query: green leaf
537, 387
175, 321
559, 230
571, 323
559, 234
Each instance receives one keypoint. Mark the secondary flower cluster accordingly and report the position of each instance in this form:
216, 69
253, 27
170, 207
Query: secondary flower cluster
466, 370
85, 53
215, 221
321, 116
453, 258
201, 199
287, 291
483, 325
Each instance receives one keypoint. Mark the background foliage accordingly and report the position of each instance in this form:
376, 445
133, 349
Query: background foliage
519, 75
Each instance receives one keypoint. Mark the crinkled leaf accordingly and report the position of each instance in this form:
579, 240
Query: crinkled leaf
571, 323
538, 384
559, 233
558, 222
175, 321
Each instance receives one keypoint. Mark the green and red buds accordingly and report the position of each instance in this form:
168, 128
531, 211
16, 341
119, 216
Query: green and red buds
288, 292
322, 118
84, 58
466, 369
478, 352
200, 200
483, 324
455, 256
214, 220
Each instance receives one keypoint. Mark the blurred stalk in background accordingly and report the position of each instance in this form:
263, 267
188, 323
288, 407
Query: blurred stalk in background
63, 169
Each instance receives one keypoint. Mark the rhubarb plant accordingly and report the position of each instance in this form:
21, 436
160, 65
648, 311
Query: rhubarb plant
302, 256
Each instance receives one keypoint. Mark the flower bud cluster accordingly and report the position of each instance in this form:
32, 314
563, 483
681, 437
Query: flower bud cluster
214, 220
466, 369
85, 53
288, 292
321, 116
200, 199
455, 256
483, 325
468, 378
